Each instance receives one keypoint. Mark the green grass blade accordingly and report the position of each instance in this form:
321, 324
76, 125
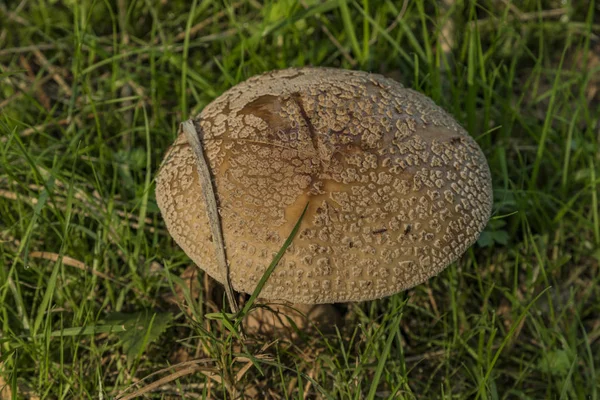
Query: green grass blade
507, 338
349, 29
269, 271
394, 326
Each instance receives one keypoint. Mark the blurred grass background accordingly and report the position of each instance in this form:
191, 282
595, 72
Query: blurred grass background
91, 95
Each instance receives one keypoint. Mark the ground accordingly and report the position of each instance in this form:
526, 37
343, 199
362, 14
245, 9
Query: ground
96, 300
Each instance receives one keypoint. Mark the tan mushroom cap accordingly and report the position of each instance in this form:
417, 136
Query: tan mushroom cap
397, 188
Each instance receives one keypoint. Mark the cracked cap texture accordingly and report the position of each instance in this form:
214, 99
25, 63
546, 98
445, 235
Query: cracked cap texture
397, 189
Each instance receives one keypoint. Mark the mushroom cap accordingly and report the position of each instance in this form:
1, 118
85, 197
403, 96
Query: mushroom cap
397, 189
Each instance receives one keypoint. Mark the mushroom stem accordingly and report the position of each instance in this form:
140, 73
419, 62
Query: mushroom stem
212, 211
282, 318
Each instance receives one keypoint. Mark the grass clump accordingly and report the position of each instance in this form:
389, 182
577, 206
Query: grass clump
95, 297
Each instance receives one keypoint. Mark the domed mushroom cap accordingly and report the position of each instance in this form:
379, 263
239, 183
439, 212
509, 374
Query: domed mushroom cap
397, 189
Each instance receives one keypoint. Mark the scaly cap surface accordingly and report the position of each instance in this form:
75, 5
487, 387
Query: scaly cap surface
397, 188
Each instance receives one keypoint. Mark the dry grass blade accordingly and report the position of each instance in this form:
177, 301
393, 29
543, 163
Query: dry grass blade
185, 390
13, 16
194, 30
27, 49
240, 374
4, 103
89, 198
37, 128
333, 40
446, 32
71, 262
54, 72
490, 23
210, 198
432, 301
162, 381
24, 89
14, 196
394, 23
42, 96
311, 374
188, 365
5, 390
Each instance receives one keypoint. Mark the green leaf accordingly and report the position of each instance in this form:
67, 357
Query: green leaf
501, 237
139, 330
485, 239
556, 362
488, 238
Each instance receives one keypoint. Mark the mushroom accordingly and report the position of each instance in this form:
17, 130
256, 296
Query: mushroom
396, 189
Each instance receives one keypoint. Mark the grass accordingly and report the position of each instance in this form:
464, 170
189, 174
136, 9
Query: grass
91, 95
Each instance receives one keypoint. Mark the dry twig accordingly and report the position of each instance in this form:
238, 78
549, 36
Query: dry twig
210, 199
